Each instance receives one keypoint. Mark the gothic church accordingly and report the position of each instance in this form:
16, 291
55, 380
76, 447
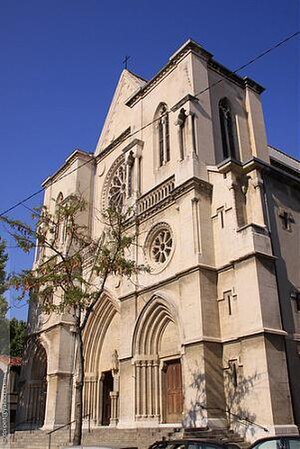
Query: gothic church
212, 332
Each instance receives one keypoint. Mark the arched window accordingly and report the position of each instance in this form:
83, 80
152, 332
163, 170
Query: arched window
227, 129
163, 134
60, 224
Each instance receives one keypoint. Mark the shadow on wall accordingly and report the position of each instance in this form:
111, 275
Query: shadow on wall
198, 406
237, 388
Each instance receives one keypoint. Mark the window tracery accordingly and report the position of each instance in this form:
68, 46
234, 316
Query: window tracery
162, 246
227, 129
159, 246
117, 188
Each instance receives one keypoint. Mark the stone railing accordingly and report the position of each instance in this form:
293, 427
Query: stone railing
155, 195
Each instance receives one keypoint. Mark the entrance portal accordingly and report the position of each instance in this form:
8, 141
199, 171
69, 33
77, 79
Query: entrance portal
173, 399
38, 389
108, 386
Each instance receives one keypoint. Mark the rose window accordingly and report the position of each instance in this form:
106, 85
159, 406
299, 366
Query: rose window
117, 188
161, 246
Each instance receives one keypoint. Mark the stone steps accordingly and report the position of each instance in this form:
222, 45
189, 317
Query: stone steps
141, 438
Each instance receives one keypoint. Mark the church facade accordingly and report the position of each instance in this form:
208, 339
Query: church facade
211, 335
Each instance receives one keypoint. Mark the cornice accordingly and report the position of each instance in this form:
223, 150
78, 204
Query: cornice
192, 47
181, 102
255, 163
249, 82
188, 47
196, 268
123, 136
76, 155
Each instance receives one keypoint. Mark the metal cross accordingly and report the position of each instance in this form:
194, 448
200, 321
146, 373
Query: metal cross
125, 62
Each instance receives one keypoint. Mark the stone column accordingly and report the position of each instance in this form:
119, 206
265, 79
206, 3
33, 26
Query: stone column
138, 389
191, 138
137, 154
114, 408
164, 120
129, 162
232, 185
156, 389
143, 389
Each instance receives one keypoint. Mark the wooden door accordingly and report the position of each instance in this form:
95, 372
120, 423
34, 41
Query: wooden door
173, 399
108, 384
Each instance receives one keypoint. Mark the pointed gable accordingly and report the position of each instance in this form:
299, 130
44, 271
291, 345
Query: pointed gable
118, 117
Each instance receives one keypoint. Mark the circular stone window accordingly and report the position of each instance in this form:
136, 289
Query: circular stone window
159, 246
117, 189
114, 191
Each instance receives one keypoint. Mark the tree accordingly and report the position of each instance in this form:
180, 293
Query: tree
72, 268
18, 337
4, 326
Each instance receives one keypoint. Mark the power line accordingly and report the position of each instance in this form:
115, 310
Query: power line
259, 56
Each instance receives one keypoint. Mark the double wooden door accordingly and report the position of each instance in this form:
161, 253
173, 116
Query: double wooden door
173, 398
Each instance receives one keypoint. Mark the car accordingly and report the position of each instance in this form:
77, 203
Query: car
193, 444
104, 446
277, 442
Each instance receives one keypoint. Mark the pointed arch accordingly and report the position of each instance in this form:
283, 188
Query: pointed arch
36, 400
98, 351
154, 318
227, 128
156, 344
96, 329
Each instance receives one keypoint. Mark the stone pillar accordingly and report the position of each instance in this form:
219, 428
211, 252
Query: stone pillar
256, 198
256, 124
58, 404
137, 154
191, 134
156, 389
129, 162
164, 123
114, 408
138, 389
232, 185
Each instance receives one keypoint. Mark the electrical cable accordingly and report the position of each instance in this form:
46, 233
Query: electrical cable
259, 56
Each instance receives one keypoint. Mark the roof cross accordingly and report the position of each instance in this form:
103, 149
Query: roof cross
125, 62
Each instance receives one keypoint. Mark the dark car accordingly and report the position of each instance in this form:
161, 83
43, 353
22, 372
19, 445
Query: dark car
193, 444
277, 442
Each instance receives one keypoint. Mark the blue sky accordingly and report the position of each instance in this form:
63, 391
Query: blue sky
61, 59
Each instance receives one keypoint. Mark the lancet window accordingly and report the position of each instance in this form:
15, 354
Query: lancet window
163, 135
60, 223
227, 129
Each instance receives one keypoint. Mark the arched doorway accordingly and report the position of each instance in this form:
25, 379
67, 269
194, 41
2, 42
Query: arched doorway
101, 346
158, 379
37, 388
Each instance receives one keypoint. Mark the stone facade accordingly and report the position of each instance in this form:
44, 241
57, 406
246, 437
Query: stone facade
211, 335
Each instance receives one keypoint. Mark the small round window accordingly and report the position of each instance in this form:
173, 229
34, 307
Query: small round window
159, 246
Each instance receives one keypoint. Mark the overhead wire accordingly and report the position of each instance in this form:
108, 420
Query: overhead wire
259, 56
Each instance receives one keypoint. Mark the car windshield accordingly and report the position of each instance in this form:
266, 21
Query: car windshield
279, 443
187, 445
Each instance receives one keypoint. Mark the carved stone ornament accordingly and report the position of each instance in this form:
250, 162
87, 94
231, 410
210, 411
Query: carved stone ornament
159, 247
114, 191
115, 361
